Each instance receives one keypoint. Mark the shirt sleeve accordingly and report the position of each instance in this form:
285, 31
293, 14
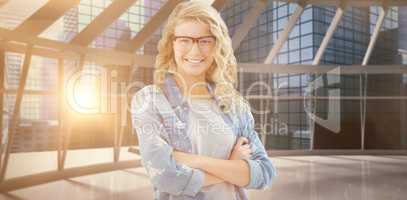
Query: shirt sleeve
262, 170
156, 153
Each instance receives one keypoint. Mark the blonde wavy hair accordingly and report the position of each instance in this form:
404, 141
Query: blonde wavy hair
223, 71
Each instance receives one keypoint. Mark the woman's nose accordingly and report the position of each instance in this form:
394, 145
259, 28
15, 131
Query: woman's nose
195, 49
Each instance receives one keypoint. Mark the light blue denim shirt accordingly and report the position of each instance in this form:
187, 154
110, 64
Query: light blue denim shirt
160, 117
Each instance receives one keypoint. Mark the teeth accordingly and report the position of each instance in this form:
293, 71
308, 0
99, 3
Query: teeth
194, 61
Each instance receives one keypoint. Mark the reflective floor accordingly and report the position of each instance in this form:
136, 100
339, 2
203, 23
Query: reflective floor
339, 177
309, 178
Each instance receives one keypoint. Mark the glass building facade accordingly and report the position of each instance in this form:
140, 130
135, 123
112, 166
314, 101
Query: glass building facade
286, 124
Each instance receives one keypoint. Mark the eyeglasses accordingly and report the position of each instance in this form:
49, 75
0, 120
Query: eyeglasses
185, 43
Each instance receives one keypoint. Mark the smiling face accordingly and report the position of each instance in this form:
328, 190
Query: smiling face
193, 59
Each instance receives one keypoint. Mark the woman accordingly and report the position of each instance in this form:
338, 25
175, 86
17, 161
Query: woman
196, 132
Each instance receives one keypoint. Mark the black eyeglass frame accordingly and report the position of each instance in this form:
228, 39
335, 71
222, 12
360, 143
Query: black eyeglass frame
195, 40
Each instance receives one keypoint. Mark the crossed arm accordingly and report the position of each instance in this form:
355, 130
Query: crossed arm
220, 170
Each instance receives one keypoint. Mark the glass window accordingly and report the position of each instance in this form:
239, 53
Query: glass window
348, 35
87, 2
281, 23
252, 44
292, 7
306, 62
306, 28
306, 15
262, 28
329, 57
270, 26
263, 52
81, 26
275, 25
304, 79
84, 19
96, 11
306, 41
339, 32
294, 56
294, 44
328, 18
359, 47
134, 18
283, 58
252, 56
275, 36
306, 54
285, 47
100, 4
263, 41
339, 44
282, 11
84, 9
348, 23
295, 32
283, 81
295, 81
263, 18
348, 45
317, 39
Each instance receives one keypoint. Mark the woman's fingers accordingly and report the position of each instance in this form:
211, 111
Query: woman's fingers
241, 141
242, 149
246, 150
246, 153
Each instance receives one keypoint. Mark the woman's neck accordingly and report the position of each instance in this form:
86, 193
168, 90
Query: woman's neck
193, 86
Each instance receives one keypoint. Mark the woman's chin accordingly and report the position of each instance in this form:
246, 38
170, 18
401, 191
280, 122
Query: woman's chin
194, 70
194, 73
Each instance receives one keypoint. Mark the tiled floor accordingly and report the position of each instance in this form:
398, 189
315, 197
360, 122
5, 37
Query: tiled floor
308, 178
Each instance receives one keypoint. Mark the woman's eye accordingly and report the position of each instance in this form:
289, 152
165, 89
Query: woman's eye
184, 41
205, 41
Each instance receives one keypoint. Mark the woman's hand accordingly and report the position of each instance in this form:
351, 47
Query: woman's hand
241, 150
